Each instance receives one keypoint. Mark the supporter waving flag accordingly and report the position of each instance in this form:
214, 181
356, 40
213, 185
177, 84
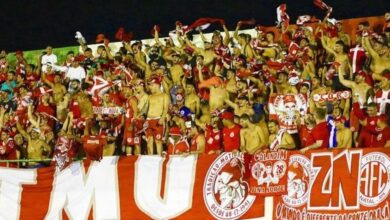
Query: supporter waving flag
282, 16
203, 23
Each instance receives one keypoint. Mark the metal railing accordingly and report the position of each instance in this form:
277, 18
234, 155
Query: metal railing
22, 163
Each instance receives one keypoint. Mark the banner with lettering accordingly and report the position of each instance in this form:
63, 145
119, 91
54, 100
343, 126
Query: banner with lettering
144, 187
269, 173
340, 184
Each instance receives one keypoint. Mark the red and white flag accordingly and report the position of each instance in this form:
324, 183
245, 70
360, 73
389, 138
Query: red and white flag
203, 23
282, 15
99, 87
322, 5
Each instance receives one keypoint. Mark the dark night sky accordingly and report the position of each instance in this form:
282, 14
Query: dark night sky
33, 24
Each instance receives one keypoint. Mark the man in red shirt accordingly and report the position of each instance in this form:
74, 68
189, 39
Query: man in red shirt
93, 144
231, 132
320, 132
7, 148
382, 138
306, 131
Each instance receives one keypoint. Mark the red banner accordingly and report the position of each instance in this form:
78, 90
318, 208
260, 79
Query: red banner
269, 173
350, 184
145, 187
339, 184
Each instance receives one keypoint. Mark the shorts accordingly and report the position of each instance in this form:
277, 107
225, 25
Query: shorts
354, 122
154, 129
134, 137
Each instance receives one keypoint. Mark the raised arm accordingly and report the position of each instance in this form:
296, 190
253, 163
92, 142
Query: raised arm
324, 41
367, 45
226, 40
30, 116
346, 83
235, 35
21, 130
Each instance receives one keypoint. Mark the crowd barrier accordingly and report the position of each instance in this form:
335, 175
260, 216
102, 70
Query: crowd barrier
323, 184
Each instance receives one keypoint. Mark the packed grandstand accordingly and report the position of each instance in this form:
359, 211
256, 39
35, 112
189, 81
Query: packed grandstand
303, 86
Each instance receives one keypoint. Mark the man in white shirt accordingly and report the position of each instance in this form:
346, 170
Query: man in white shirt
76, 71
49, 57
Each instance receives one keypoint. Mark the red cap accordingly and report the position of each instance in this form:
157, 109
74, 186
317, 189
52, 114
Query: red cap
227, 115
175, 131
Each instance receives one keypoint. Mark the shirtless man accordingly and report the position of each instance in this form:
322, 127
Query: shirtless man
59, 90
343, 135
218, 93
241, 106
359, 93
207, 53
136, 108
279, 139
244, 41
282, 86
340, 56
251, 136
37, 149
359, 87
176, 69
380, 59
192, 100
157, 112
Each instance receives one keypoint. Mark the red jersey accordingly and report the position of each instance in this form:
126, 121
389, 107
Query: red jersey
306, 136
7, 150
75, 108
231, 138
381, 138
321, 132
194, 144
365, 139
93, 146
181, 146
213, 139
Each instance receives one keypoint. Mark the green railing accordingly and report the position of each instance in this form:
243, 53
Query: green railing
23, 162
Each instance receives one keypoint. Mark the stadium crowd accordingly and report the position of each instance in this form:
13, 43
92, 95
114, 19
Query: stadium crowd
300, 88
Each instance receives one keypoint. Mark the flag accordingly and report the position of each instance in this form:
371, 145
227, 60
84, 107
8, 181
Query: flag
99, 87
282, 15
322, 5
203, 23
